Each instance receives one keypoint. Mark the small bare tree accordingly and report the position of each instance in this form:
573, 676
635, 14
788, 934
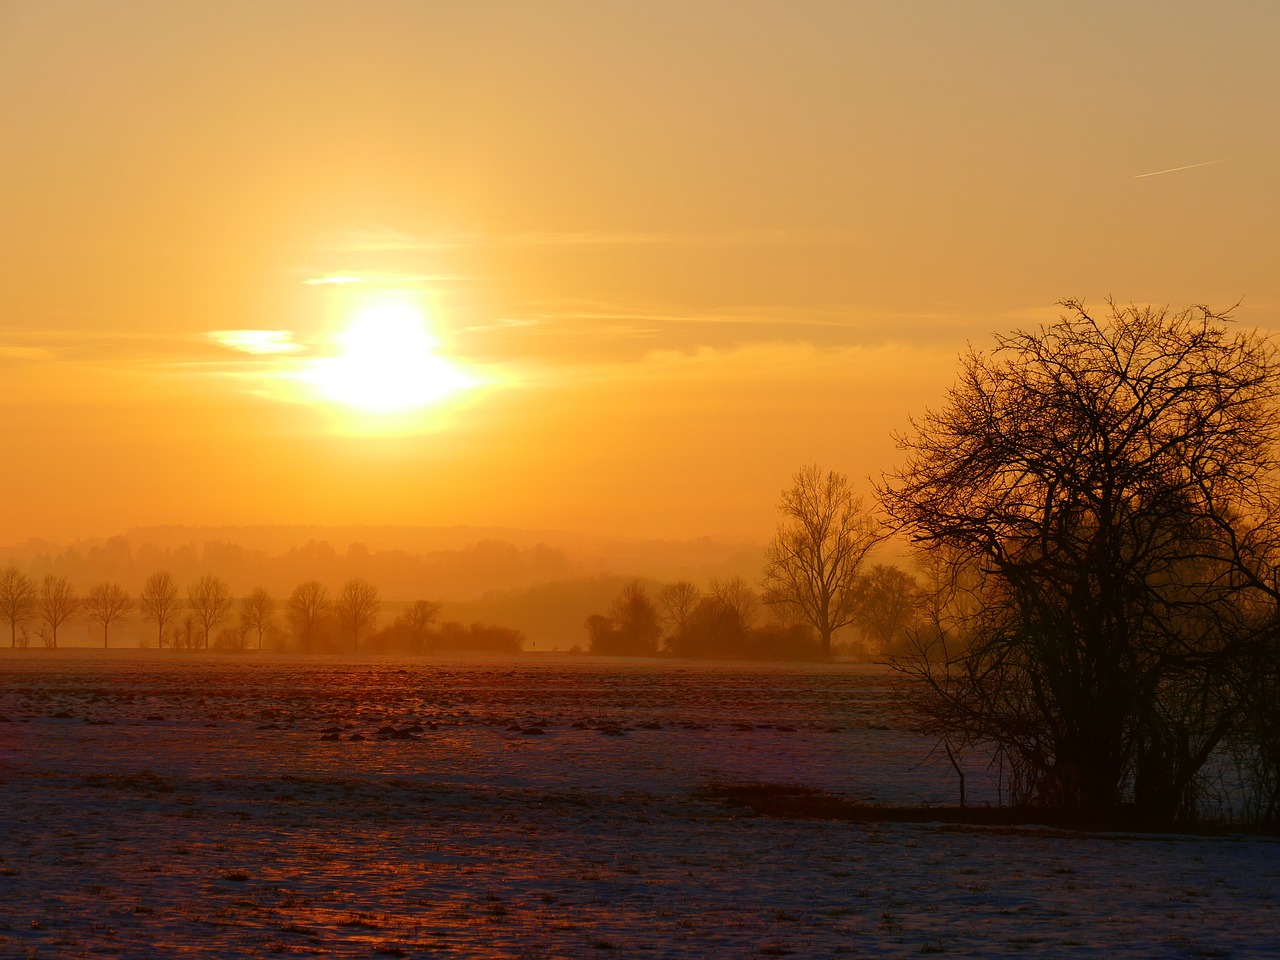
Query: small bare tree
17, 600
306, 607
676, 602
888, 601
107, 603
420, 615
818, 551
56, 604
736, 596
159, 602
187, 634
210, 601
357, 608
257, 612
632, 627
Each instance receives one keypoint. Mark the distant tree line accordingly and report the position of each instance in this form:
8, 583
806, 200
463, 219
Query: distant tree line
204, 616
731, 620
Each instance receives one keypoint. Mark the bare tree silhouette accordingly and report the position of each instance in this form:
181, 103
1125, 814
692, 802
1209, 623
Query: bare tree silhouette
818, 551
106, 603
420, 615
632, 627
888, 599
159, 602
676, 601
306, 607
357, 608
257, 612
210, 601
56, 604
738, 597
17, 600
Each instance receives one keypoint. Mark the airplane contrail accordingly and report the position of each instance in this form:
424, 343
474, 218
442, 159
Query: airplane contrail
1189, 166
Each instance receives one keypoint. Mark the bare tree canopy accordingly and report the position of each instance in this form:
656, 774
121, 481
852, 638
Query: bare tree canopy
17, 600
257, 612
210, 601
306, 607
1109, 488
821, 543
56, 604
159, 602
357, 608
105, 604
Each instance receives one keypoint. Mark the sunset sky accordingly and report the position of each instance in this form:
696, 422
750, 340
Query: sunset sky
585, 266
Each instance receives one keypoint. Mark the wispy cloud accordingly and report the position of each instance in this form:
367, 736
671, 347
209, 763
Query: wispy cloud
338, 281
385, 241
1189, 166
342, 279
14, 351
256, 342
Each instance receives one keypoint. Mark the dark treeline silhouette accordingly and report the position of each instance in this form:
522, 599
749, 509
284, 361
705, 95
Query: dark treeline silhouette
731, 620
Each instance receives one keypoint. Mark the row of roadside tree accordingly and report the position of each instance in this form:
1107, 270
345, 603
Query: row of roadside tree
206, 616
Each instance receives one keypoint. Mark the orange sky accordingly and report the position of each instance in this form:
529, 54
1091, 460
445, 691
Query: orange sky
678, 249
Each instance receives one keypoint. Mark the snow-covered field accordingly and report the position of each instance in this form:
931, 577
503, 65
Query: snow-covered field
154, 804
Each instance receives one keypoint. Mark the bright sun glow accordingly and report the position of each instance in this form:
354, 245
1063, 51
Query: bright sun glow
387, 363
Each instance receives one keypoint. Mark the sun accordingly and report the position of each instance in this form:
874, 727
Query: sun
387, 362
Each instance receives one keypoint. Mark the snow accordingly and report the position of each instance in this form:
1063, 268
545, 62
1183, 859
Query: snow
156, 804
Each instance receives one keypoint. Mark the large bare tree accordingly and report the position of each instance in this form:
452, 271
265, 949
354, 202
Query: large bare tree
17, 600
307, 606
257, 612
159, 602
106, 603
210, 601
1107, 489
822, 540
357, 608
56, 604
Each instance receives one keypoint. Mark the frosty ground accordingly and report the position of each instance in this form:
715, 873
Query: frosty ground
154, 804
